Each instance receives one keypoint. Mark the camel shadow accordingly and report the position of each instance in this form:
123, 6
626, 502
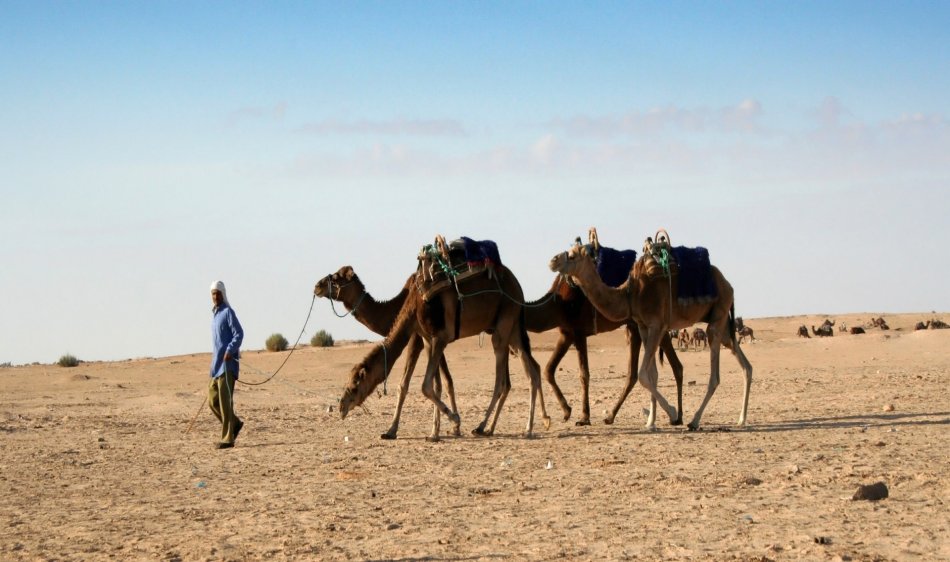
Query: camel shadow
843, 422
856, 421
436, 558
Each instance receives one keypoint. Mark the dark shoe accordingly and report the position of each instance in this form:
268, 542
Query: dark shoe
237, 428
224, 445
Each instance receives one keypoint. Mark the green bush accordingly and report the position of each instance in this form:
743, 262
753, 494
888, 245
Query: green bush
276, 342
322, 339
67, 361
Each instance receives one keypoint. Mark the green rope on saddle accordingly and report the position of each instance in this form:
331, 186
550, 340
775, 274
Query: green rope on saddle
433, 253
663, 258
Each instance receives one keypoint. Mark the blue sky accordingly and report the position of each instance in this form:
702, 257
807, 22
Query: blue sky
148, 148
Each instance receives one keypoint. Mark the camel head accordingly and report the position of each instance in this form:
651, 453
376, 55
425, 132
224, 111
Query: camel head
570, 262
335, 285
364, 378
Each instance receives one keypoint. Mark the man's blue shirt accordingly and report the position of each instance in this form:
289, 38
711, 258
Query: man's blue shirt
226, 337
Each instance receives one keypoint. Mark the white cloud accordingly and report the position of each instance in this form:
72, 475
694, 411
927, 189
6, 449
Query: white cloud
545, 149
675, 146
741, 118
407, 127
254, 113
670, 119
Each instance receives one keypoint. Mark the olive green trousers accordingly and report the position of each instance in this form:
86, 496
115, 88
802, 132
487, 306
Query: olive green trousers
221, 400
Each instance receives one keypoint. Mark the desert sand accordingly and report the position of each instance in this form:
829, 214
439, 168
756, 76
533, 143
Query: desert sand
97, 462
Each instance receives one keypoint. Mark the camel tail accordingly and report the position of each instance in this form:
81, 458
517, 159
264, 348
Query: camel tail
661, 355
732, 323
523, 331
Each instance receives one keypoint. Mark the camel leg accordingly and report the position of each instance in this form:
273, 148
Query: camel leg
533, 370
747, 370
648, 372
677, 366
633, 356
412, 355
502, 386
653, 376
560, 349
450, 387
437, 348
436, 434
715, 344
581, 345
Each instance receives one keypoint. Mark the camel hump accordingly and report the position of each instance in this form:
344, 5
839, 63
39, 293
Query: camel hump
444, 264
614, 266
478, 251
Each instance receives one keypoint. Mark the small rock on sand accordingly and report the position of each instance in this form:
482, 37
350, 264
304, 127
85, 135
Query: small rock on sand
871, 492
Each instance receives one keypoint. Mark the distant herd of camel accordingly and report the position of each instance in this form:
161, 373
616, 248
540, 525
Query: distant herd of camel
827, 327
579, 304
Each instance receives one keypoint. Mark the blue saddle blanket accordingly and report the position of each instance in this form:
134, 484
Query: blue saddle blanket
695, 281
478, 252
614, 266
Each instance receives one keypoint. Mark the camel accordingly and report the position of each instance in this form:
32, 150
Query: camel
824, 331
684, 340
922, 325
857, 330
828, 322
699, 338
484, 301
650, 297
803, 332
566, 308
938, 324
746, 332
346, 287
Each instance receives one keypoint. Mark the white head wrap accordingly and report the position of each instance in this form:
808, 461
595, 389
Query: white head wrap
219, 286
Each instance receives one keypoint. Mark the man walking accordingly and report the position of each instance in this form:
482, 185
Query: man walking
226, 337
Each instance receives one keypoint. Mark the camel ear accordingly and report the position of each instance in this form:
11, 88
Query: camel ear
347, 273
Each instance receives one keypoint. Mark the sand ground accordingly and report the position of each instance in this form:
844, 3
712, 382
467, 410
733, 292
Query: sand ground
95, 461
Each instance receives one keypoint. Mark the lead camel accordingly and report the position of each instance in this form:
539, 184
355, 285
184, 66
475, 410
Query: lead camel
650, 298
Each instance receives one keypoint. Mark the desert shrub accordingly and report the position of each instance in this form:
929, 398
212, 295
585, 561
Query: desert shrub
276, 342
322, 338
68, 361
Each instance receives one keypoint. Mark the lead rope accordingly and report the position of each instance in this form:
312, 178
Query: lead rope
294, 348
385, 365
331, 299
205, 401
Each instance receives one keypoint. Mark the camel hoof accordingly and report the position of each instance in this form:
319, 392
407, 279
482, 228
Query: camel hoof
547, 422
676, 422
582, 422
480, 432
650, 428
692, 427
567, 413
528, 435
433, 438
388, 436
609, 421
456, 431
